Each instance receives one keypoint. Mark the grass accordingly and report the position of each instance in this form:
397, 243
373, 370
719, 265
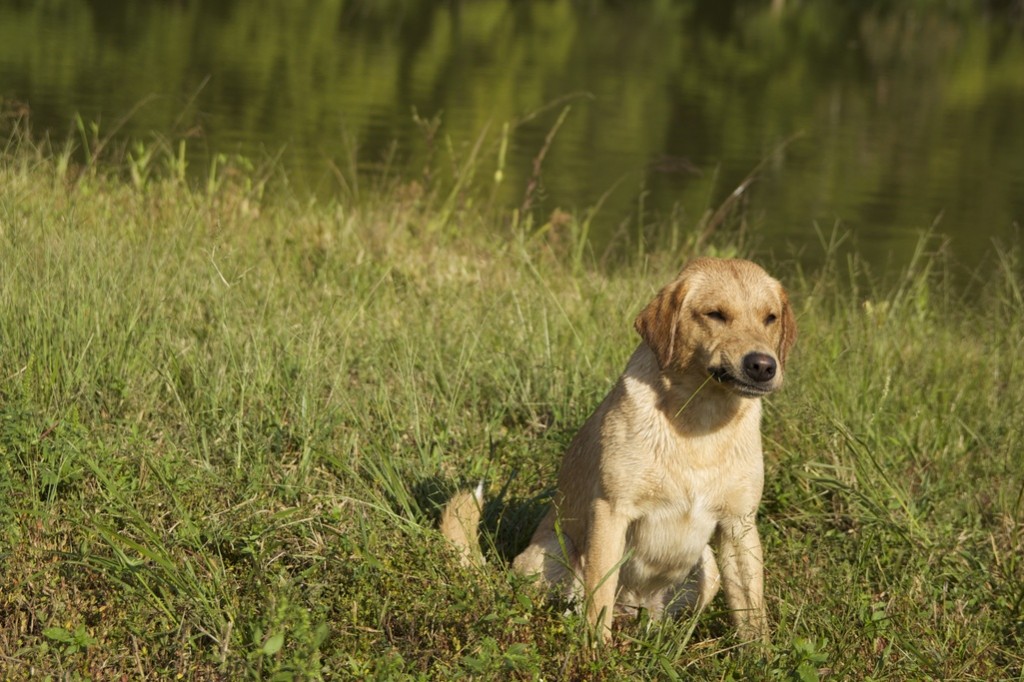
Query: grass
227, 422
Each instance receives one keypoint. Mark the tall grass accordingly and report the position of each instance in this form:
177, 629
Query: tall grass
226, 422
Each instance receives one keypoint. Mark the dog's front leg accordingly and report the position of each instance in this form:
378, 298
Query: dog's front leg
606, 541
742, 567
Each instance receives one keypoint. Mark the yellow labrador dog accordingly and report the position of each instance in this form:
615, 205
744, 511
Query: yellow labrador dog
670, 465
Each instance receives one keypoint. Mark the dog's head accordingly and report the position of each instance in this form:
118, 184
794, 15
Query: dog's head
727, 319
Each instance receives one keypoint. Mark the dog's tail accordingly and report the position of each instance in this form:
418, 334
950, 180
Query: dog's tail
460, 519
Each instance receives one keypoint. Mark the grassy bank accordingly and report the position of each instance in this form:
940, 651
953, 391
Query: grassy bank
225, 423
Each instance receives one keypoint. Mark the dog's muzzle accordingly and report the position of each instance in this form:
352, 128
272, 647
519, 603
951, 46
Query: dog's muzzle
758, 373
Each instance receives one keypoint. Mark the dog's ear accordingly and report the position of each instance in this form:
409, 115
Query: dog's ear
787, 337
658, 323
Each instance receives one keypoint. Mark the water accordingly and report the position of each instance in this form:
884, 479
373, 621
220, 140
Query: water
870, 120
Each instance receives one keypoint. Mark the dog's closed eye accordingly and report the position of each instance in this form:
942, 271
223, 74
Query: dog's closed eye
717, 315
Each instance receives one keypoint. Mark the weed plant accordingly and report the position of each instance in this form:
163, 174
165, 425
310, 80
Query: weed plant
226, 422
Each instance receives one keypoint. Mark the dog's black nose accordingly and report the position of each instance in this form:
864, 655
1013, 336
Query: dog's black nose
760, 367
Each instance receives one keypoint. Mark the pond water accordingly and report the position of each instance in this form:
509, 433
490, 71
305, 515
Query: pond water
870, 120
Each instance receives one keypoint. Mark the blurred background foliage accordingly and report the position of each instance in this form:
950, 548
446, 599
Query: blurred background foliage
907, 113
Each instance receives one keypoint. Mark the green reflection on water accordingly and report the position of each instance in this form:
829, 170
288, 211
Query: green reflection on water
911, 112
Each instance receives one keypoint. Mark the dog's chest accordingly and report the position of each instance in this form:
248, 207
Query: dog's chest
673, 534
679, 505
